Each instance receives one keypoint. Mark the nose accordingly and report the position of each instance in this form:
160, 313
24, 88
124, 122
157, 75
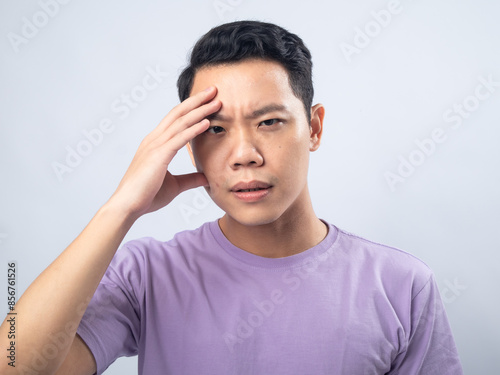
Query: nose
245, 152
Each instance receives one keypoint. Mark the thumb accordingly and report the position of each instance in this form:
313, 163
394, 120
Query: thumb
191, 181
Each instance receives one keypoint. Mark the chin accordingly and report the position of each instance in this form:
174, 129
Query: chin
261, 214
252, 220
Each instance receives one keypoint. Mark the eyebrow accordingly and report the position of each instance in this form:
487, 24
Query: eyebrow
253, 115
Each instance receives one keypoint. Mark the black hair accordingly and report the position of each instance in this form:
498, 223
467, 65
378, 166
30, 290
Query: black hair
242, 40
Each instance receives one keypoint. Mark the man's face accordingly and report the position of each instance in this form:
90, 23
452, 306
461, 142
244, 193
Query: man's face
255, 154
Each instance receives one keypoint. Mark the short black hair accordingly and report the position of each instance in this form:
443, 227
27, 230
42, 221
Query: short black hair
242, 40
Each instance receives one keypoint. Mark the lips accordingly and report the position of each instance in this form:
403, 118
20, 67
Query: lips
251, 185
251, 191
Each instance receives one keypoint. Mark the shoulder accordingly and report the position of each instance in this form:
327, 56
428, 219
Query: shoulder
186, 239
151, 251
385, 263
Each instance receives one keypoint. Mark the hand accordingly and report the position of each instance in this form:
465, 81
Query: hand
148, 185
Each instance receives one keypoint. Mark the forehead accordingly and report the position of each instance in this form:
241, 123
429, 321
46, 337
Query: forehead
247, 84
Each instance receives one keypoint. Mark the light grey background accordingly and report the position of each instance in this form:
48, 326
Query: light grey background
429, 56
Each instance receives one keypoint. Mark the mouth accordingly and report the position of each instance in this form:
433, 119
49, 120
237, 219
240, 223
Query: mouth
246, 190
250, 186
252, 191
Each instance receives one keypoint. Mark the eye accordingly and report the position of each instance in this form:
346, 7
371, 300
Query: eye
215, 129
270, 122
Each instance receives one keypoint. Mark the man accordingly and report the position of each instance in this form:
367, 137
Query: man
267, 289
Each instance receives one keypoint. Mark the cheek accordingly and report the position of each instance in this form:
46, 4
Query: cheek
295, 154
201, 155
295, 145
210, 161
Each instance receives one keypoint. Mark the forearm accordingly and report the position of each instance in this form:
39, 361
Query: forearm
54, 303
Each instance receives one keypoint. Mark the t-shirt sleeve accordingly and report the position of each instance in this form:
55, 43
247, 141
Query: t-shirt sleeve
111, 324
430, 348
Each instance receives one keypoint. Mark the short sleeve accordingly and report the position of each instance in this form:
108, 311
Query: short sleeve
430, 348
111, 324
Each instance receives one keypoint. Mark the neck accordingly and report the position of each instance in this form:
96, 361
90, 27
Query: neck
296, 230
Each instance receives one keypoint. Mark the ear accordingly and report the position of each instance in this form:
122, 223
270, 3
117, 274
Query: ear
190, 152
316, 128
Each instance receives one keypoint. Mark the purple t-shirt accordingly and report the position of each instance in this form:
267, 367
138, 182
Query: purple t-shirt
199, 305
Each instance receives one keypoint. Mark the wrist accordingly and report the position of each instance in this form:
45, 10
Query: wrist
119, 213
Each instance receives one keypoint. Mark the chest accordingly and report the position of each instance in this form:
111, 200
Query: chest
290, 323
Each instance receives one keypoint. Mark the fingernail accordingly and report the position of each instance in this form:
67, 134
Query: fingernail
208, 88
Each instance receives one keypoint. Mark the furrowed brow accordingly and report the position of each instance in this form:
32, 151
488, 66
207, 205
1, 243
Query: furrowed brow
218, 117
265, 110
251, 116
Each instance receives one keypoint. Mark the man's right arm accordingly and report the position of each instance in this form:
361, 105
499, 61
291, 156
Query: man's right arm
55, 302
79, 360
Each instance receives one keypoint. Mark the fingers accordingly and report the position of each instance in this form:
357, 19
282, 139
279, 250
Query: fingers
171, 137
190, 113
188, 105
193, 117
180, 139
195, 101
